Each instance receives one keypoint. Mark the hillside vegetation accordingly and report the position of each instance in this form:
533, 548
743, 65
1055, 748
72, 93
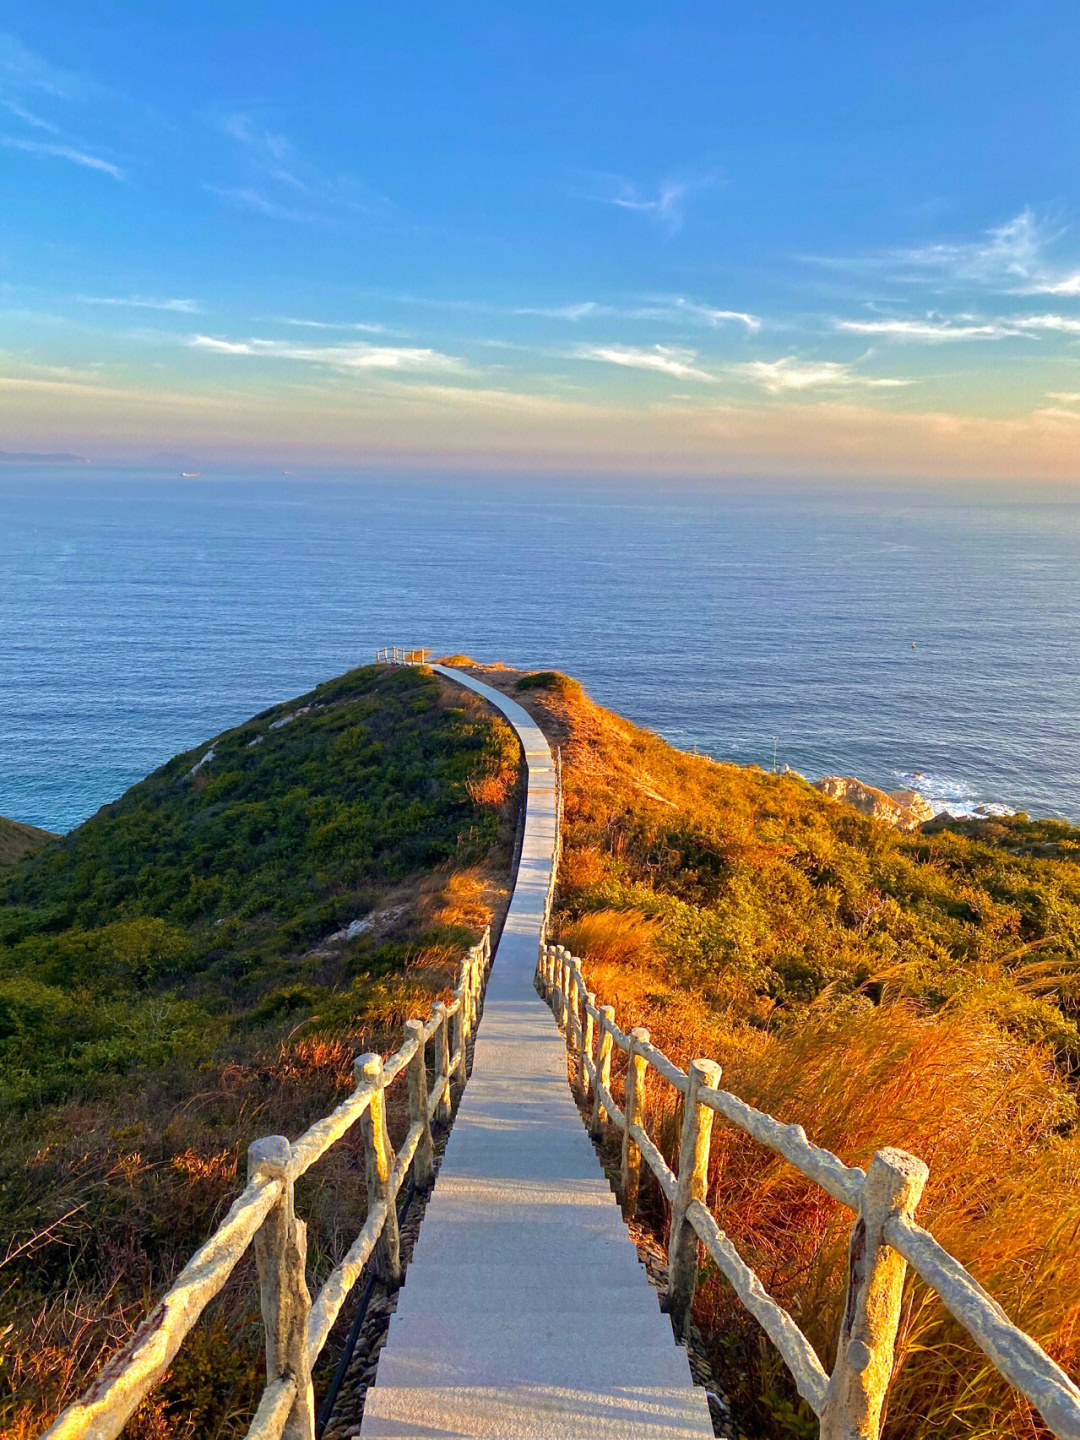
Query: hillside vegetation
174, 983
918, 990
18, 839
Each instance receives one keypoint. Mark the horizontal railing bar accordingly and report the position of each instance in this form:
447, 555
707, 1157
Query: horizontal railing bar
341, 1280
606, 1098
663, 1066
405, 1155
1020, 1359
797, 1352
396, 1063
842, 1182
656, 1162
315, 1142
102, 1412
621, 1039
614, 1114
274, 1406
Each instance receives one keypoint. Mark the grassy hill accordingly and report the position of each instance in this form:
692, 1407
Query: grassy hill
174, 982
18, 839
920, 989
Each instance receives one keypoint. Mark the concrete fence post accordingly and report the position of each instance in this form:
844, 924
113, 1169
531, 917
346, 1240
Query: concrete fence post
474, 989
281, 1261
442, 1064
379, 1164
560, 992
865, 1349
635, 1110
423, 1165
693, 1180
586, 1052
460, 1039
603, 1070
575, 988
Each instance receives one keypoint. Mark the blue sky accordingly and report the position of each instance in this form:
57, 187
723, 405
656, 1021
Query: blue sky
778, 239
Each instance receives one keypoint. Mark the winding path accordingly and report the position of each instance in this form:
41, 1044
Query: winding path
525, 1311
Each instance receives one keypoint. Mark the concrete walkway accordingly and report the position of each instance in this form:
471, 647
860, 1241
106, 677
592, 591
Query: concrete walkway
525, 1311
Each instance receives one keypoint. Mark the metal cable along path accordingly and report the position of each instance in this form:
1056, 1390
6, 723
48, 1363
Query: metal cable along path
525, 1311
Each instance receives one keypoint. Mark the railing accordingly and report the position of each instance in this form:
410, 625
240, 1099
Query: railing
556, 854
395, 655
884, 1239
263, 1216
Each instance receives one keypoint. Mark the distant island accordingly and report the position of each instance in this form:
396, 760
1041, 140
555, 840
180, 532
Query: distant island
34, 457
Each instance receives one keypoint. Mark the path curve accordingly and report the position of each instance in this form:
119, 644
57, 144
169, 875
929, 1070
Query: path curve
525, 1313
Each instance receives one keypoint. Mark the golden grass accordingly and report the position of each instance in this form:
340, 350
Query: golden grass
968, 1081
611, 936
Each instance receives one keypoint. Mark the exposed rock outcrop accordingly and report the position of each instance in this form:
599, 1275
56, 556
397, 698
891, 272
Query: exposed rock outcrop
906, 809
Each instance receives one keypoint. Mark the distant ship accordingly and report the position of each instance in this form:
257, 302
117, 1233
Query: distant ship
190, 474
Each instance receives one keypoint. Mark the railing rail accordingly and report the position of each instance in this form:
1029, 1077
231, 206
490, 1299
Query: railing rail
396, 655
263, 1217
884, 1239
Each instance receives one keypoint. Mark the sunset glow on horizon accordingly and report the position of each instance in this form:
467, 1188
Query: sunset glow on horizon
655, 241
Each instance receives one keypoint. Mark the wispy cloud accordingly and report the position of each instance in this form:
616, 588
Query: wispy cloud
662, 358
1013, 258
937, 329
713, 316
356, 355
249, 131
790, 374
667, 309
929, 330
144, 302
1061, 324
29, 117
578, 310
330, 324
64, 152
1012, 251
24, 71
665, 206
279, 174
1068, 284
245, 197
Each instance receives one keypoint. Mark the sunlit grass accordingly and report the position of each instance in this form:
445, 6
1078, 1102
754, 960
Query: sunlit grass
879, 989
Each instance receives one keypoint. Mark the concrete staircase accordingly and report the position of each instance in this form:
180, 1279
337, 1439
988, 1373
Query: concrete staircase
525, 1311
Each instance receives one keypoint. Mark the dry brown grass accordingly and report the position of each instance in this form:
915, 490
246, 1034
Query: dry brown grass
611, 937
964, 1082
987, 1113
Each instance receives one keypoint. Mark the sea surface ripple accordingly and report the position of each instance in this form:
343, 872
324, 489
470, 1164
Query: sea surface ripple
906, 637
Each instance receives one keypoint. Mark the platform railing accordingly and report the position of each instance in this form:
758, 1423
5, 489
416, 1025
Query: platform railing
885, 1237
263, 1217
396, 655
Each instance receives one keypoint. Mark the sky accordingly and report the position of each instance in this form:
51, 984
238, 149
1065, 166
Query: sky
662, 239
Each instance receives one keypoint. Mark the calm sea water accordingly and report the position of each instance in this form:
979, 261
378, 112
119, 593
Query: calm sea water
906, 638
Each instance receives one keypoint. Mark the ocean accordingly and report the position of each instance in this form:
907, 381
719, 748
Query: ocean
910, 637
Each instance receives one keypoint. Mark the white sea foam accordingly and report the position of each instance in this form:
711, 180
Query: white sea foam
950, 795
